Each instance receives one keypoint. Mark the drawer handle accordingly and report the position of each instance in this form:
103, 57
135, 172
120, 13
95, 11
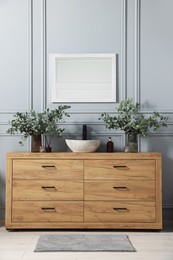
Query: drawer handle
120, 209
120, 188
49, 209
49, 187
48, 166
120, 167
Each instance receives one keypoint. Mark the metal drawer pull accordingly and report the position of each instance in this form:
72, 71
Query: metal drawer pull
48, 166
120, 188
49, 187
120, 167
120, 209
49, 209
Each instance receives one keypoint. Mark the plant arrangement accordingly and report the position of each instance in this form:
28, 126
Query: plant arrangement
35, 124
131, 121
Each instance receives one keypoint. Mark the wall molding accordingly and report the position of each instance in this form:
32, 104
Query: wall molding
137, 52
123, 52
43, 54
29, 61
93, 134
167, 206
92, 112
30, 54
159, 134
6, 134
29, 80
137, 60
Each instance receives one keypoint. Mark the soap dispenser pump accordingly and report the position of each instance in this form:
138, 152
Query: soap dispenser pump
110, 146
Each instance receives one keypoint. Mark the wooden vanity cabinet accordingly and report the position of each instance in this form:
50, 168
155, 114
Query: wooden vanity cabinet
83, 190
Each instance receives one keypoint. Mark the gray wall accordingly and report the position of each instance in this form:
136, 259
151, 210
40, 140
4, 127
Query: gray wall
139, 31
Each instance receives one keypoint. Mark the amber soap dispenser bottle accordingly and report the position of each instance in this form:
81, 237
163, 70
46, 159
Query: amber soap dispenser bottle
110, 146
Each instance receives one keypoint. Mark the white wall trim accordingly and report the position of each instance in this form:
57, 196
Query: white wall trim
43, 54
92, 112
137, 53
158, 134
137, 60
167, 206
30, 54
29, 80
123, 52
94, 134
164, 111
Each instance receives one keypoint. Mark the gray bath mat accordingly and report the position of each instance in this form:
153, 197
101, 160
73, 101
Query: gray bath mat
84, 242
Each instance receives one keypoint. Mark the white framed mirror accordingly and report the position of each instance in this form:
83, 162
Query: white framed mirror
82, 77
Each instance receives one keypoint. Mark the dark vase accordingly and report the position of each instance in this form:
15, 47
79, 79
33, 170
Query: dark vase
35, 143
133, 142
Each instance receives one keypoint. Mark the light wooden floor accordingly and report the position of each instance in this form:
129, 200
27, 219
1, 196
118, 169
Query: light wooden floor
150, 245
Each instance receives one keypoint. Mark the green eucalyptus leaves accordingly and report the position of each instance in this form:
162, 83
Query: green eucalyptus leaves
130, 120
33, 123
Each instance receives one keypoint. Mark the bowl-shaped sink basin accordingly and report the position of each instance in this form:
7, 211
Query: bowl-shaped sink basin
83, 146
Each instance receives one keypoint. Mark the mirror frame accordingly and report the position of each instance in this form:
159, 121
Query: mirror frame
97, 77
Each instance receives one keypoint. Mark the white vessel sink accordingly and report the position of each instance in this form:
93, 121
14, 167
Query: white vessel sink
83, 146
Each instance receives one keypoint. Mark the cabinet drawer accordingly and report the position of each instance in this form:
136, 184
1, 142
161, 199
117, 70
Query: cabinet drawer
101, 211
110, 169
119, 189
47, 211
47, 169
47, 190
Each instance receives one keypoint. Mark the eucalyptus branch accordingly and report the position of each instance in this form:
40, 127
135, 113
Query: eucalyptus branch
130, 120
33, 123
